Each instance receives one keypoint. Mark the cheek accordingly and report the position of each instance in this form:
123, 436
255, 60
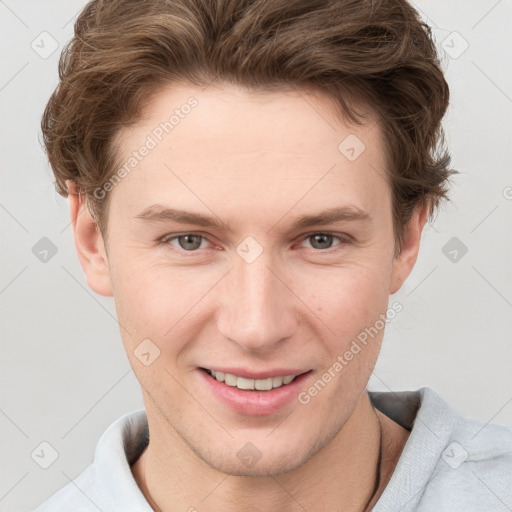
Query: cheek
158, 302
346, 298
155, 313
140, 301
352, 304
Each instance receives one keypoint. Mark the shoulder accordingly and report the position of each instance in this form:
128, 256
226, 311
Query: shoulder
474, 471
107, 484
75, 494
450, 463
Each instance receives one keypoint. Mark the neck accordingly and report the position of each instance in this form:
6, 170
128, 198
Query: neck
346, 474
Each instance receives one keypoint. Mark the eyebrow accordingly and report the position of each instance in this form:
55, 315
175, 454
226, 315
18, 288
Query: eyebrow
161, 213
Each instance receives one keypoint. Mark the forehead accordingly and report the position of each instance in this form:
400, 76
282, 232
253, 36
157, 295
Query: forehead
224, 138
284, 120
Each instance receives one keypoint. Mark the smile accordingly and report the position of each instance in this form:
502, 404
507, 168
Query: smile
255, 393
247, 384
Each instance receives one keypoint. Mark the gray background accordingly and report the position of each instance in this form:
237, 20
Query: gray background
64, 375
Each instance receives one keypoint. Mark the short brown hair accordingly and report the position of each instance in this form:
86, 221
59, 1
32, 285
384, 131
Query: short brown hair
125, 51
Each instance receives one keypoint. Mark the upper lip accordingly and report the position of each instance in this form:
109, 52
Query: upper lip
257, 375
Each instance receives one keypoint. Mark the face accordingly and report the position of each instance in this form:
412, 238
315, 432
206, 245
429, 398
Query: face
246, 242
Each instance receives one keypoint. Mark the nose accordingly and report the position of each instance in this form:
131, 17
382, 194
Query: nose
257, 310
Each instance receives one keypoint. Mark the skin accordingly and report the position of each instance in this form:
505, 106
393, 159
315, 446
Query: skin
257, 162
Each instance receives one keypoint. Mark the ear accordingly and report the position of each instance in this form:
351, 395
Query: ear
405, 261
89, 243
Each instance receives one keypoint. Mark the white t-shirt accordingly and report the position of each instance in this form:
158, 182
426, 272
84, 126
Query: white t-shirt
449, 463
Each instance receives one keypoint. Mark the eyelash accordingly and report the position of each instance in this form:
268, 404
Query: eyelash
343, 239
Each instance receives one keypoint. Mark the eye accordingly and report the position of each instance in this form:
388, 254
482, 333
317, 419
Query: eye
323, 241
192, 242
188, 242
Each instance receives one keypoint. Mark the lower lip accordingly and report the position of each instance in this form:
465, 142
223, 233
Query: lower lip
252, 402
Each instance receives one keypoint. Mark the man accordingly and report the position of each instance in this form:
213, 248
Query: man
249, 181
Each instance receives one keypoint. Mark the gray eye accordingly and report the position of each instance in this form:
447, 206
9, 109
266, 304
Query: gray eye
190, 242
321, 241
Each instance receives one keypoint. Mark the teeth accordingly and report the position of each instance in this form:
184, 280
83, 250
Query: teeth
258, 384
263, 384
277, 381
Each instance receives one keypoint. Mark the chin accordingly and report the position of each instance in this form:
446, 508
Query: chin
273, 467
272, 460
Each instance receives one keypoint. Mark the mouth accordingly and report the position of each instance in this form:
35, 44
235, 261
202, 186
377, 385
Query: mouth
254, 394
246, 384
